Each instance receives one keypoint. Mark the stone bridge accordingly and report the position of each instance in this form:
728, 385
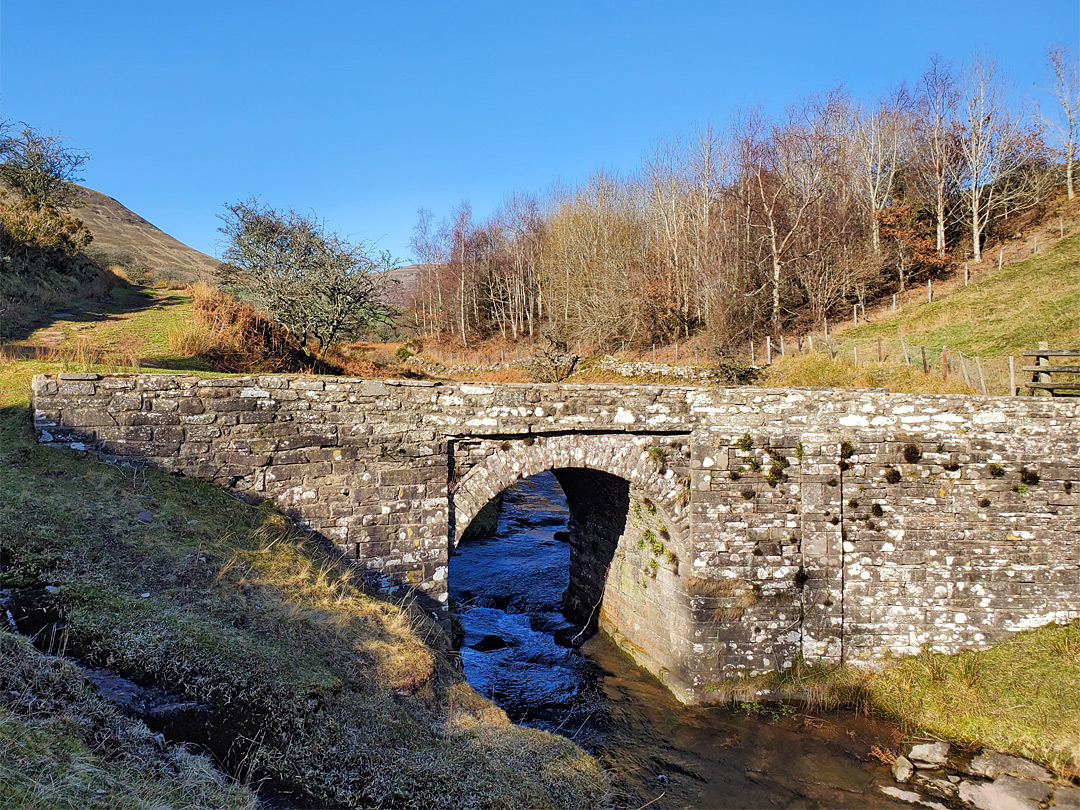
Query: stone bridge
714, 531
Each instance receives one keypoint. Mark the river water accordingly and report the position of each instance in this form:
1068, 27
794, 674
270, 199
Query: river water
521, 652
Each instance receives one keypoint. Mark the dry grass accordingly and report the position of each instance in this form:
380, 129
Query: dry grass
817, 370
232, 336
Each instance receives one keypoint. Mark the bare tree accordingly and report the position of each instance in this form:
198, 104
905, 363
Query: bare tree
936, 152
312, 282
992, 144
788, 166
879, 138
40, 167
1061, 64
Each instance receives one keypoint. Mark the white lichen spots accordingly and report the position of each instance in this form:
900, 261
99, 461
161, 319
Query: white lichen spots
707, 462
623, 417
854, 420
254, 392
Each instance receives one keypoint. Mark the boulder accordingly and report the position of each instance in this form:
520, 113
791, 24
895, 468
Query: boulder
992, 764
929, 755
490, 644
1067, 797
911, 797
902, 769
1005, 793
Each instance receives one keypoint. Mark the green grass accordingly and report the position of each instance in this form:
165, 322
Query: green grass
1020, 696
999, 314
63, 746
341, 695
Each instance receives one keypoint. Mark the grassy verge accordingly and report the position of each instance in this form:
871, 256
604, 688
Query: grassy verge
65, 747
1021, 696
324, 689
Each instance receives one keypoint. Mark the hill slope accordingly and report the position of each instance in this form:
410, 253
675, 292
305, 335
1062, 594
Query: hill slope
997, 316
1000, 314
117, 228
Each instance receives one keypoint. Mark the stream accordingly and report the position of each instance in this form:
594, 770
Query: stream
521, 652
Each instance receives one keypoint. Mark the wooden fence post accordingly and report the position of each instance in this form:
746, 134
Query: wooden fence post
753, 361
929, 291
880, 356
925, 367
1012, 379
903, 348
1042, 360
855, 354
768, 349
982, 379
963, 370
1001, 252
944, 363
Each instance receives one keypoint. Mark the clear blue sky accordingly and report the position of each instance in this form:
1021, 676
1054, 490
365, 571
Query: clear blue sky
363, 111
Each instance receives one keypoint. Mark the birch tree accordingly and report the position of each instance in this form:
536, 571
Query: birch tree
991, 144
935, 152
1065, 88
879, 140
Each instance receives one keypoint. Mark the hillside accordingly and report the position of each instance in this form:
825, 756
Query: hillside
998, 315
117, 228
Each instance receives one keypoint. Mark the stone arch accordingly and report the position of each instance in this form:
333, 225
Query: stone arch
629, 517
496, 465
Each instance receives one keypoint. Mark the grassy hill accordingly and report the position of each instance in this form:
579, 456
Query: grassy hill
117, 229
998, 315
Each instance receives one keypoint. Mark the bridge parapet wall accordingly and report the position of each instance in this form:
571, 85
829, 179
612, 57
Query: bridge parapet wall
815, 523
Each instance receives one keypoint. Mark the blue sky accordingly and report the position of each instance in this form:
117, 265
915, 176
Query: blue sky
361, 112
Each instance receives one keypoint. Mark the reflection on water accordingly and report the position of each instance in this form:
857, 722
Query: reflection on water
521, 652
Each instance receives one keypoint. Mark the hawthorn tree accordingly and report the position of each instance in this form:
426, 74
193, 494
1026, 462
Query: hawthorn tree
40, 168
40, 171
314, 283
